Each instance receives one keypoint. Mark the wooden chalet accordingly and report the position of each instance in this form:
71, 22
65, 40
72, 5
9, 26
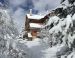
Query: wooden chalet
34, 23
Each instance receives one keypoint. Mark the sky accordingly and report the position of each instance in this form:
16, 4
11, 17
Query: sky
19, 8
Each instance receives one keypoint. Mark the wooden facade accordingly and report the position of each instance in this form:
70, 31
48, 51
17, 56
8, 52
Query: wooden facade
34, 31
41, 21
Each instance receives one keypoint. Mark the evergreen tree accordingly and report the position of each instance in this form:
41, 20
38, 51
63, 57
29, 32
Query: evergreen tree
70, 1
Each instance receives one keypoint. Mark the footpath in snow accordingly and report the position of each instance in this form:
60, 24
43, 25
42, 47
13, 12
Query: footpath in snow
38, 49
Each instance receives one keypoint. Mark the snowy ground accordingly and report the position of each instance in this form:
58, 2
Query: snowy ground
38, 49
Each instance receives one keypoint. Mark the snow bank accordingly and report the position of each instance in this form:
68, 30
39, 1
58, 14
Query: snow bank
39, 49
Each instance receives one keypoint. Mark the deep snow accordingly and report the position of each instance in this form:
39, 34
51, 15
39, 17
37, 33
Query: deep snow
38, 49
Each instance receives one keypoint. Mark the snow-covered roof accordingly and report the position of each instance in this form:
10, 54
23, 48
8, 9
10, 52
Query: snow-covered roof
33, 16
35, 25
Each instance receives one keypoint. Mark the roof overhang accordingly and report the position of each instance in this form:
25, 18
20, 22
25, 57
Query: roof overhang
37, 17
36, 25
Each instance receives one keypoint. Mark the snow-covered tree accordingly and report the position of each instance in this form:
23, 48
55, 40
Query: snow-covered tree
10, 45
69, 1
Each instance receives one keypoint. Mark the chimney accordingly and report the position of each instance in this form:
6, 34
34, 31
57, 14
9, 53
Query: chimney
30, 12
